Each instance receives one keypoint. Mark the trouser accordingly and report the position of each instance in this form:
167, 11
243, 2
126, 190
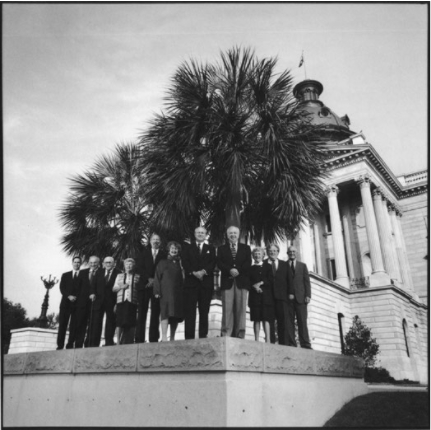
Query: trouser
80, 325
234, 303
66, 314
200, 297
96, 324
300, 311
126, 335
281, 311
145, 298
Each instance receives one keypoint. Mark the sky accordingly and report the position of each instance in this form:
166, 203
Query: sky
78, 79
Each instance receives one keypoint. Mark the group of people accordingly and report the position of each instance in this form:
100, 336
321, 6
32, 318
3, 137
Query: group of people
176, 282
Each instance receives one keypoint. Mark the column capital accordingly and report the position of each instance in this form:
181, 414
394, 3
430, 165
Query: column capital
378, 193
398, 211
332, 190
364, 181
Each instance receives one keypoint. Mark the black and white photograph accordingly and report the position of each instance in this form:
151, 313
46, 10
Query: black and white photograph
215, 214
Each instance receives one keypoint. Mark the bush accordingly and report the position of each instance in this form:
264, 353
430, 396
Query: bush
360, 343
377, 374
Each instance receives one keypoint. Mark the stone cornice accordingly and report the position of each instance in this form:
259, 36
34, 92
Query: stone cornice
344, 156
217, 354
331, 284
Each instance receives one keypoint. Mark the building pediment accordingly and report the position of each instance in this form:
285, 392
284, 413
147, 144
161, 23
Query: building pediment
346, 152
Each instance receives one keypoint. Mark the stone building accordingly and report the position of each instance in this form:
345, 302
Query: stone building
367, 249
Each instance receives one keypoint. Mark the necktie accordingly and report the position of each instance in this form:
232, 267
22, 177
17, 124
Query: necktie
274, 269
233, 249
292, 265
107, 275
75, 275
200, 248
154, 255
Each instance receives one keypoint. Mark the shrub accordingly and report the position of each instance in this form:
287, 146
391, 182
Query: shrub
360, 343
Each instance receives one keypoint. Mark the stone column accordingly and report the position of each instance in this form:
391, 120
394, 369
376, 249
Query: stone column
345, 215
337, 237
384, 233
318, 251
305, 240
396, 241
405, 267
378, 276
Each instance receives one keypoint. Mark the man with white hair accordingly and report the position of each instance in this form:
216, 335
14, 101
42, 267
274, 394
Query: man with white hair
234, 262
103, 303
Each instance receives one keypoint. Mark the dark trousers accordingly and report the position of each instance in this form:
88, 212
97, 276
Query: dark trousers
300, 311
144, 299
281, 317
200, 297
66, 314
96, 324
80, 323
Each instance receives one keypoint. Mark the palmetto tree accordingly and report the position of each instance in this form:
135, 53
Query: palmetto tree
105, 213
232, 148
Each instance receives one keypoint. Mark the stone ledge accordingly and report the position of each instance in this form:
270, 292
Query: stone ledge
220, 354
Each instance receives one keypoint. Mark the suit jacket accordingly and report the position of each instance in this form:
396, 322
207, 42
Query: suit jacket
145, 265
103, 289
300, 282
84, 293
242, 263
69, 287
280, 282
193, 261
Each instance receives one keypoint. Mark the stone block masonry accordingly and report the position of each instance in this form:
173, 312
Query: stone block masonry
218, 382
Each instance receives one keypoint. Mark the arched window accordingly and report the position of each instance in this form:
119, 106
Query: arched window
341, 329
406, 336
418, 339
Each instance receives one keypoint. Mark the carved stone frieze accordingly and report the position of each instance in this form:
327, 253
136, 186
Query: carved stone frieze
282, 359
342, 366
49, 362
199, 354
202, 355
14, 363
121, 358
245, 355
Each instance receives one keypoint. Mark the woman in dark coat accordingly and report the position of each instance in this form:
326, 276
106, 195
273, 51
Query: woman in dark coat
260, 299
168, 285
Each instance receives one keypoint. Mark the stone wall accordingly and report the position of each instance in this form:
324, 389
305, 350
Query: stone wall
414, 224
383, 310
218, 382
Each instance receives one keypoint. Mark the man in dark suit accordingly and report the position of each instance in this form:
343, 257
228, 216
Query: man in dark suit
83, 302
234, 262
146, 263
70, 286
299, 297
104, 300
198, 262
280, 287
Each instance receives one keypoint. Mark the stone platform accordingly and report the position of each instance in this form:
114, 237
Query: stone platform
218, 382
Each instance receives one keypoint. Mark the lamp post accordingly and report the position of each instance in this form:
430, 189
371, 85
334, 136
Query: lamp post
42, 321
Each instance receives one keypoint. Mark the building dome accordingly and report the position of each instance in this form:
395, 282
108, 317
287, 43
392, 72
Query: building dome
335, 128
